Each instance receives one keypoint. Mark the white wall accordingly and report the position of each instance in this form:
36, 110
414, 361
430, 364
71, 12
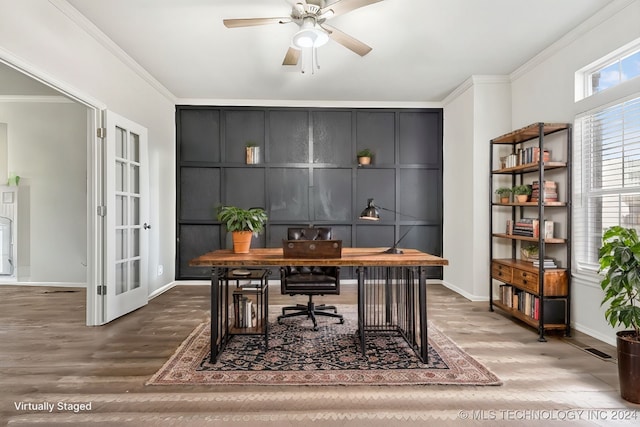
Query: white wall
458, 225
46, 35
478, 111
544, 91
47, 148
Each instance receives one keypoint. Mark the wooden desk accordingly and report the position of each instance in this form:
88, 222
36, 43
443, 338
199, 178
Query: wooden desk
391, 289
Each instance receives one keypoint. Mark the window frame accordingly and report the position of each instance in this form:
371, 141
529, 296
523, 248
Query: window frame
583, 77
583, 191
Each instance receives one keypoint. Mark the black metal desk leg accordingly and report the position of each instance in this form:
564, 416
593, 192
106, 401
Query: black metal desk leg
361, 303
422, 304
215, 315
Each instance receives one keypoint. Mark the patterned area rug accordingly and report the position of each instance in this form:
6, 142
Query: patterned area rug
297, 355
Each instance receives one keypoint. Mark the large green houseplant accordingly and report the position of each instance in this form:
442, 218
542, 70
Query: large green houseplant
242, 223
619, 259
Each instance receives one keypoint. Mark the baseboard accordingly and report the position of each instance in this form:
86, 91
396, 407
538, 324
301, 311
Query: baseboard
467, 295
44, 284
605, 338
161, 290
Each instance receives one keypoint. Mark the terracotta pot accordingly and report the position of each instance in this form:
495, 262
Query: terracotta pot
522, 198
504, 200
628, 366
364, 160
241, 241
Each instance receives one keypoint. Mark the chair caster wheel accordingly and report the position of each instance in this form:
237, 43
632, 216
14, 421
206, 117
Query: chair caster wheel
341, 321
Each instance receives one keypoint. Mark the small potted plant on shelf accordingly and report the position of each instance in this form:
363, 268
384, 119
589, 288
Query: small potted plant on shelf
619, 260
243, 224
364, 156
529, 252
521, 192
503, 194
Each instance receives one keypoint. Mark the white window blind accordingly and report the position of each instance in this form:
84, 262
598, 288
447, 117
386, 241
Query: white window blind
606, 176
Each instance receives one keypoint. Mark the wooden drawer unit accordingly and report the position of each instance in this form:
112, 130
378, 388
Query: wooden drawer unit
525, 280
501, 272
524, 275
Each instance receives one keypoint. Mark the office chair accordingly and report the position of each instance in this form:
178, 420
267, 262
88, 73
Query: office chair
310, 280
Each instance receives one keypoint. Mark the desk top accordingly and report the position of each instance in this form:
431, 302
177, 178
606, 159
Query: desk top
273, 257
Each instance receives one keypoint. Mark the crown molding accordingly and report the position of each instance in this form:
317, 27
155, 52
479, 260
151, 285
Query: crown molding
475, 81
611, 9
306, 103
36, 99
90, 28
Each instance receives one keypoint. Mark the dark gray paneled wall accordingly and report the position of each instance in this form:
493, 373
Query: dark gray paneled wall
309, 175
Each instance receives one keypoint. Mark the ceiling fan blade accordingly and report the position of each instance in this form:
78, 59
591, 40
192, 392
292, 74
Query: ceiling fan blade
292, 56
345, 6
347, 41
252, 22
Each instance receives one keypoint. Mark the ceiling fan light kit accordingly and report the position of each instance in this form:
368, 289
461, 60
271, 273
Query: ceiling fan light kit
310, 16
309, 35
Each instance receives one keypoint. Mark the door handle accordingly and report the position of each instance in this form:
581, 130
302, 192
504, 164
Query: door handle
146, 226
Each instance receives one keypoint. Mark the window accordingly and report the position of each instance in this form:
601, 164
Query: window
615, 73
615, 68
606, 176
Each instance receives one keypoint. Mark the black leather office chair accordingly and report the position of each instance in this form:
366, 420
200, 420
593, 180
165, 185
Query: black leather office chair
310, 280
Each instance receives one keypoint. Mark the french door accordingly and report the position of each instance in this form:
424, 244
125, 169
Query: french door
126, 215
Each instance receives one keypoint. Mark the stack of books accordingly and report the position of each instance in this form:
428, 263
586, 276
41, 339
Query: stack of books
511, 161
550, 191
243, 312
532, 155
548, 263
528, 227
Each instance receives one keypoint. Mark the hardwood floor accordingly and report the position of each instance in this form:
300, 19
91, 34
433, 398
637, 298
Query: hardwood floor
48, 356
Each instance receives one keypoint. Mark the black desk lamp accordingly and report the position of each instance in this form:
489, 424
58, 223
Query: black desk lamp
372, 213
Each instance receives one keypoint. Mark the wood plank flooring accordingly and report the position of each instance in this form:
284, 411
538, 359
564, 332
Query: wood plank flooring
48, 356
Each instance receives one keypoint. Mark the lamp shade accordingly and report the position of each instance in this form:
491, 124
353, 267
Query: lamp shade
371, 212
309, 35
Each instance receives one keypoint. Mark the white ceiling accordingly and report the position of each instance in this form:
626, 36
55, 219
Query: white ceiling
422, 49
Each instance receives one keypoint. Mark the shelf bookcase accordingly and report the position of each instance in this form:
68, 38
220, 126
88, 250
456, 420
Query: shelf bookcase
535, 294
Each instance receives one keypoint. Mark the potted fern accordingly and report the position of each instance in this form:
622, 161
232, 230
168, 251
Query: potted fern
521, 192
243, 224
619, 260
503, 194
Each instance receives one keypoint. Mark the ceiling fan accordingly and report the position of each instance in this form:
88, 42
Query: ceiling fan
311, 17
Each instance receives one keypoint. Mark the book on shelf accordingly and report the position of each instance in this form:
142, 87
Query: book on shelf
549, 191
527, 227
548, 229
529, 304
511, 161
548, 263
243, 311
530, 227
532, 155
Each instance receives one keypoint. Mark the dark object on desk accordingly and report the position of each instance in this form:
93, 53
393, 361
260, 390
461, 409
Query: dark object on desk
312, 249
310, 280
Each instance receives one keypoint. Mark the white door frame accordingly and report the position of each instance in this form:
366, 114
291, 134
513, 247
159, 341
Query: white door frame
95, 191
